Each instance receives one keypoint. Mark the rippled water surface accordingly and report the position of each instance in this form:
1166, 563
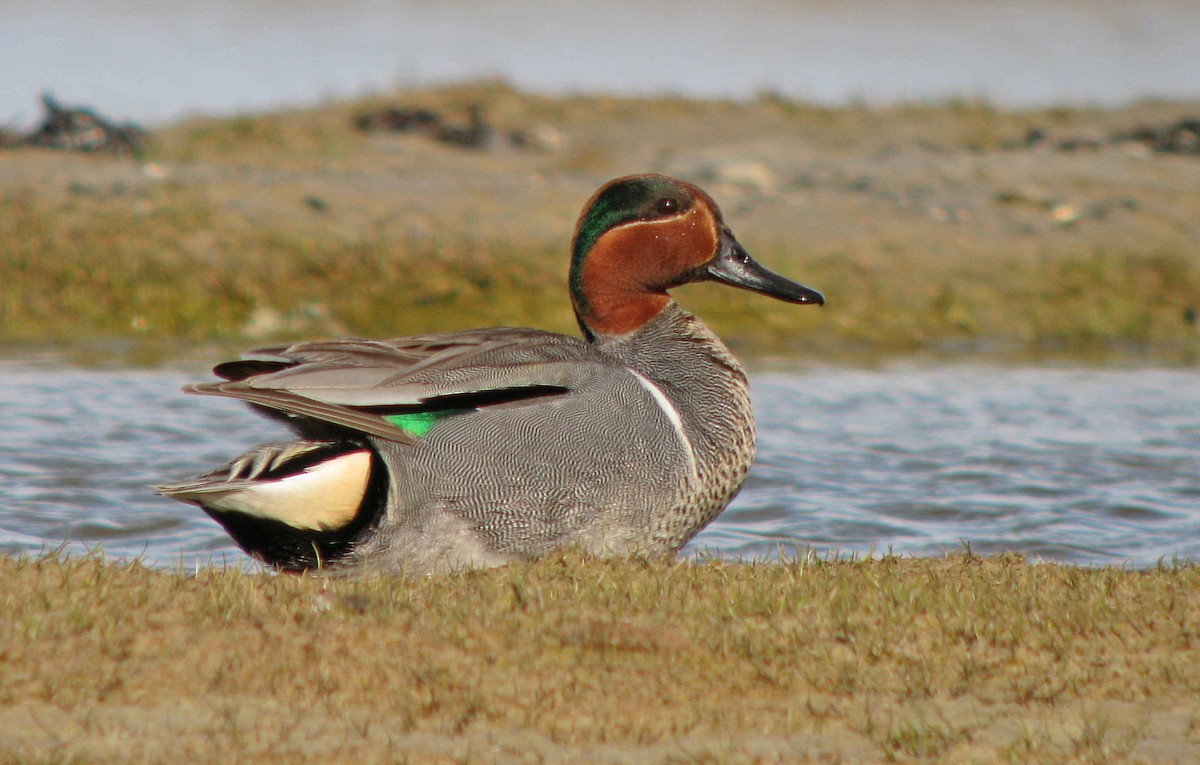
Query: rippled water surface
1079, 465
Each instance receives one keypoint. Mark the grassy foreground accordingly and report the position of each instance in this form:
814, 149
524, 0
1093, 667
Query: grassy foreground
928, 227
963, 660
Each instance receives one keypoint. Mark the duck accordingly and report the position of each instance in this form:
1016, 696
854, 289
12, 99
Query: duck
479, 448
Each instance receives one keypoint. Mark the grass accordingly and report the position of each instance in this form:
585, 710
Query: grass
171, 270
962, 659
119, 272
277, 226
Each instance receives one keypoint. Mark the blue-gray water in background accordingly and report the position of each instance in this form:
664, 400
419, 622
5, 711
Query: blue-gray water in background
145, 60
1081, 465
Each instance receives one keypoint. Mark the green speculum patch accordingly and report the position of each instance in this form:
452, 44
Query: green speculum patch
418, 424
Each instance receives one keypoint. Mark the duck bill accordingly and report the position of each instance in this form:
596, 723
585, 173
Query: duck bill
734, 266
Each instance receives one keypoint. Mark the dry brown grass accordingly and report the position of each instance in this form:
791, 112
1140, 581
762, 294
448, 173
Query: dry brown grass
575, 659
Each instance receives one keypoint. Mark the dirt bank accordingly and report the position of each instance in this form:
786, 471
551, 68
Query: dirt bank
928, 227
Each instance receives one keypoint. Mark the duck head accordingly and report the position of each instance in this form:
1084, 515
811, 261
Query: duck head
641, 235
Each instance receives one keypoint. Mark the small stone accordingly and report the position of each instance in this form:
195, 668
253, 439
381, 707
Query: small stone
1066, 214
264, 321
540, 137
154, 171
749, 174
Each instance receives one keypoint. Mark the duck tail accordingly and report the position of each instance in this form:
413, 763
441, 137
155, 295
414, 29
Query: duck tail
297, 506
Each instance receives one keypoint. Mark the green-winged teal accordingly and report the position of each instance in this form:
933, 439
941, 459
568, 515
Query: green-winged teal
477, 448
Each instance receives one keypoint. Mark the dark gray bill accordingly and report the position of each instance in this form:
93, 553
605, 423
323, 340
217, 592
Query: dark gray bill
734, 266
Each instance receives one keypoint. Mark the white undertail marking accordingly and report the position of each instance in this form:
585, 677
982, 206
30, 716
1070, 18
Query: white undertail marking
672, 413
322, 497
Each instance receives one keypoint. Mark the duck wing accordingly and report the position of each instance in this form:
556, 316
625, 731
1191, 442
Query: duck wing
371, 385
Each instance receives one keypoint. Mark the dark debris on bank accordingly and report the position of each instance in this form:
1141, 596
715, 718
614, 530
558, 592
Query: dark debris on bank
1179, 137
476, 132
77, 128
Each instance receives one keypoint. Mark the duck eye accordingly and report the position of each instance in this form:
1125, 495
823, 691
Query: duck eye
666, 206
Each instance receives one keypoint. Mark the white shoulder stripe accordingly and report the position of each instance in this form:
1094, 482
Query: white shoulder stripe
672, 413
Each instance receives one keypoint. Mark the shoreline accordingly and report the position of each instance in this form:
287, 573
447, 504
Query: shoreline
931, 228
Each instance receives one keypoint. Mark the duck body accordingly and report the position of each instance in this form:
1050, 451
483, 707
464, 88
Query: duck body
467, 449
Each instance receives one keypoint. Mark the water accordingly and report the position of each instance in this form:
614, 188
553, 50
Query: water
1086, 466
1075, 465
146, 60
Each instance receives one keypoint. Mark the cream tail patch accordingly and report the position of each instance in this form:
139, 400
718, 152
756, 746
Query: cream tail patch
322, 497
